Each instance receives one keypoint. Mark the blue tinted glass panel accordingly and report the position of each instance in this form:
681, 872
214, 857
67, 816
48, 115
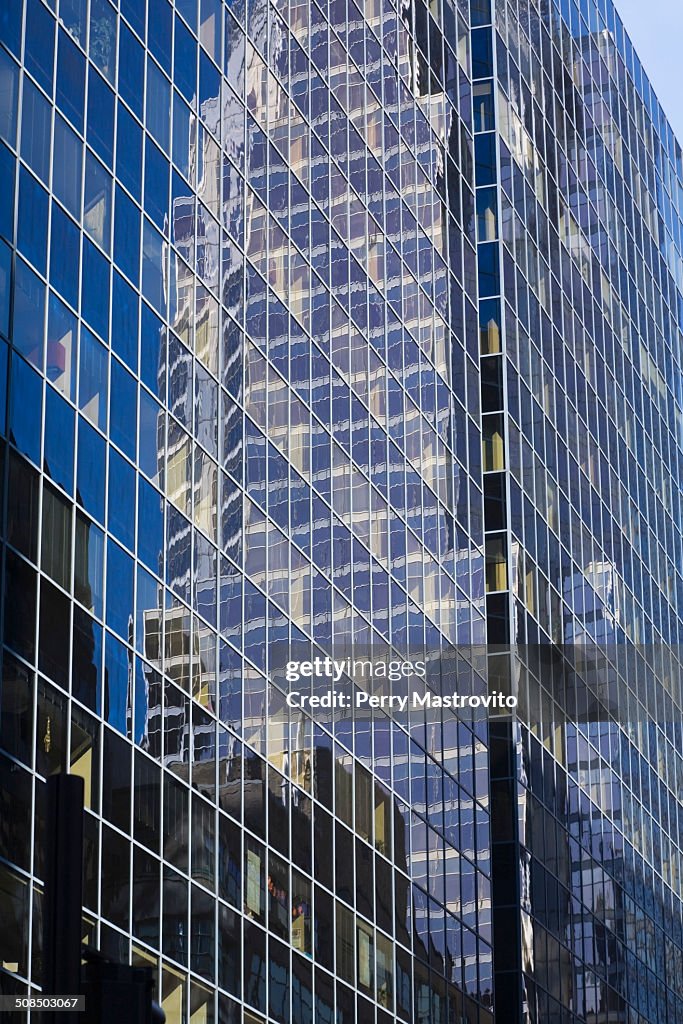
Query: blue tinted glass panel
28, 321
67, 167
149, 448
7, 164
9, 75
103, 37
95, 289
124, 322
121, 490
159, 26
131, 70
4, 361
152, 352
39, 46
91, 470
127, 235
32, 221
489, 277
158, 104
188, 9
72, 14
129, 152
485, 156
61, 347
97, 202
123, 409
209, 80
153, 266
89, 565
150, 527
86, 672
119, 589
92, 379
70, 80
65, 255
26, 393
36, 118
156, 185
5, 287
58, 454
116, 658
185, 62
101, 118
10, 27
134, 12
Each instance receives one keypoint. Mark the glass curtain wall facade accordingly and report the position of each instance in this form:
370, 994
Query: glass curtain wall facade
241, 408
334, 324
579, 201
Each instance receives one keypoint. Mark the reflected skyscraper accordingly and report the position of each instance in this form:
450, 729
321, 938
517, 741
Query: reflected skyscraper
344, 327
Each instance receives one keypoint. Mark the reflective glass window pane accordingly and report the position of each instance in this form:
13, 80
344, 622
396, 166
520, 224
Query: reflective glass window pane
66, 166
65, 250
135, 15
28, 322
159, 30
150, 436
95, 289
7, 166
72, 14
5, 287
98, 200
103, 37
10, 27
153, 285
156, 185
70, 80
119, 589
39, 45
158, 102
185, 62
123, 409
25, 408
89, 564
58, 455
9, 79
36, 130
124, 326
129, 152
91, 471
182, 118
127, 235
121, 520
56, 537
131, 69
101, 118
22, 507
54, 633
93, 379
61, 347
21, 612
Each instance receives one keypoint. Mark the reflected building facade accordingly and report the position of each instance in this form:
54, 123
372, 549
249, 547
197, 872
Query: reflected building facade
344, 327
578, 207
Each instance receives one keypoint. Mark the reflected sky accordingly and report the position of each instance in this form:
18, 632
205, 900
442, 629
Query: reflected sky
655, 29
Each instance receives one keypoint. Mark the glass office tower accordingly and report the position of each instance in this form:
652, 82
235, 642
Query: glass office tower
340, 327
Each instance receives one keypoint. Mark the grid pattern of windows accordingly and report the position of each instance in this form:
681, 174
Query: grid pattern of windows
355, 325
240, 406
579, 212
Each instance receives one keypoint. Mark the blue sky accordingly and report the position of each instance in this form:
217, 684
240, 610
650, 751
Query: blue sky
656, 30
